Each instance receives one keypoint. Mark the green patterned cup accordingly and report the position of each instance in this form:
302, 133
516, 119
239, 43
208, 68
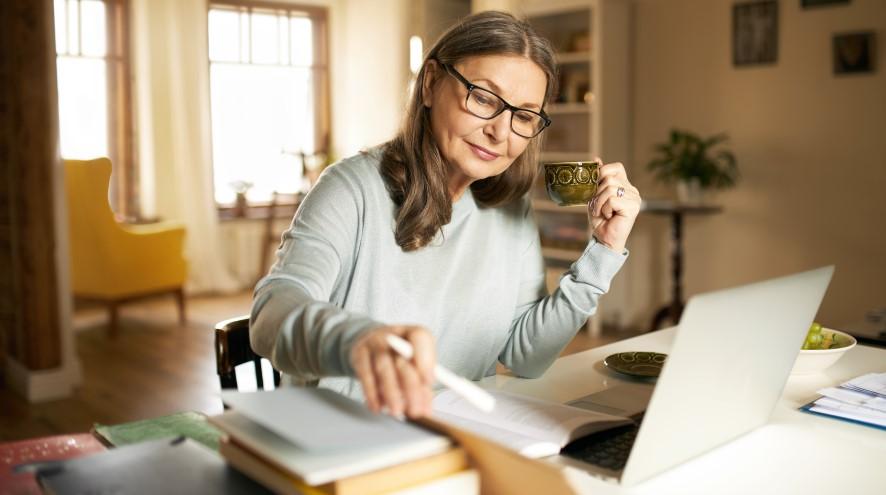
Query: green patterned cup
571, 183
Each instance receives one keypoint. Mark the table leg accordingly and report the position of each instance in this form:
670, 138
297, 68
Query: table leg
593, 325
673, 310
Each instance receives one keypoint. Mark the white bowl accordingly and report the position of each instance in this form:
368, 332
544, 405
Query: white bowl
814, 360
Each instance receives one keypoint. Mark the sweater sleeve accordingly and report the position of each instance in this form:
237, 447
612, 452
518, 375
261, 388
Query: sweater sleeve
544, 325
293, 323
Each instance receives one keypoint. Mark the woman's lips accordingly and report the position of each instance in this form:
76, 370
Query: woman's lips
482, 153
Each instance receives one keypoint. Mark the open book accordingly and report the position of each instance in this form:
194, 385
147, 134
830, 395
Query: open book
533, 427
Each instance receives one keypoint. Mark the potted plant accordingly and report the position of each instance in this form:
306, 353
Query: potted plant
694, 165
240, 187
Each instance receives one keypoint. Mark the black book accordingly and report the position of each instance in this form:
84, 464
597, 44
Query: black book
167, 466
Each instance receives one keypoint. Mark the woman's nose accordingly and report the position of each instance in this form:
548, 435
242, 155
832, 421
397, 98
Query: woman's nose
499, 127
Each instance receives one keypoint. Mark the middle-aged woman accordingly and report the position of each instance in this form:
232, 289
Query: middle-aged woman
431, 237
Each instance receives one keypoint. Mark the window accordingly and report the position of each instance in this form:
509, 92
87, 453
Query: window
268, 80
93, 94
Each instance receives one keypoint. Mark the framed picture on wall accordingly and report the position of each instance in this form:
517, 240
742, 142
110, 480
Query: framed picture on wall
820, 3
854, 53
755, 33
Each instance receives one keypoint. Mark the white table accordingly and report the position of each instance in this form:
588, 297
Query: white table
795, 453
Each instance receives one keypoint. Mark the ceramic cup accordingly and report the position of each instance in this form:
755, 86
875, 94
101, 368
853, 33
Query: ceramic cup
571, 183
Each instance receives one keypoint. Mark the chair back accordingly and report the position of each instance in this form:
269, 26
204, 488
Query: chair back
232, 348
91, 222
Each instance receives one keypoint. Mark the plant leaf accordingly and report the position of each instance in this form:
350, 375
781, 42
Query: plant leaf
688, 156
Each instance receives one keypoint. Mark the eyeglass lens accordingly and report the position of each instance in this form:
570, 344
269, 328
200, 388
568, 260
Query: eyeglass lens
485, 104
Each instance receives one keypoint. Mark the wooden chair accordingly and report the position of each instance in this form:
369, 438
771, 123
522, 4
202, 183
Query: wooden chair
232, 348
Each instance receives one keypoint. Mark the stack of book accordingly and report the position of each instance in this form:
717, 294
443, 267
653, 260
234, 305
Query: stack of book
314, 441
860, 400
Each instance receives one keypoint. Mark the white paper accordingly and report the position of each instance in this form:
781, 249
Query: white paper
855, 398
874, 383
843, 406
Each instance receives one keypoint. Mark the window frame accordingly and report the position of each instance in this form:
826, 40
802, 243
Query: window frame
320, 73
121, 126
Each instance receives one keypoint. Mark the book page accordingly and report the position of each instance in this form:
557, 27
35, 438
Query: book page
526, 445
525, 417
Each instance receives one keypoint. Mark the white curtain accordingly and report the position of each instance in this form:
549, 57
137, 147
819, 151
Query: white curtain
171, 100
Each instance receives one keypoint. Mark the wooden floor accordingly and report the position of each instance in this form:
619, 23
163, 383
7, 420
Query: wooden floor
154, 367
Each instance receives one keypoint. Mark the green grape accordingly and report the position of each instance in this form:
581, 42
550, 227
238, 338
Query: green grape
814, 337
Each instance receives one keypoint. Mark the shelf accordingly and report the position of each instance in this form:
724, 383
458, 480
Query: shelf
568, 24
573, 57
549, 206
584, 34
567, 108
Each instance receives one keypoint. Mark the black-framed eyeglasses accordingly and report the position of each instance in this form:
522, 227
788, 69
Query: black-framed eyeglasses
487, 105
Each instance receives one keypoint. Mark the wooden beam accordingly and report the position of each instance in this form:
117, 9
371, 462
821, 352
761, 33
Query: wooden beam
8, 320
29, 160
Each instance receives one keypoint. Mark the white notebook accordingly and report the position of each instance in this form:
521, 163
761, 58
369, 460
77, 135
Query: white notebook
321, 436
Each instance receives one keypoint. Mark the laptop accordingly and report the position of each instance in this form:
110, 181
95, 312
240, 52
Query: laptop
731, 356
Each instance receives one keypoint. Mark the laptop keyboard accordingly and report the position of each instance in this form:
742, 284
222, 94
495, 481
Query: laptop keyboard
608, 449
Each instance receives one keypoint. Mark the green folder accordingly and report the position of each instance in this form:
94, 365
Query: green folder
190, 424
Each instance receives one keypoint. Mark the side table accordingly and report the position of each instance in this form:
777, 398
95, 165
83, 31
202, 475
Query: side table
675, 210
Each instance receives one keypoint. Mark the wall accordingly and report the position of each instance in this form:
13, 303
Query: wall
370, 71
432, 18
811, 148
481, 5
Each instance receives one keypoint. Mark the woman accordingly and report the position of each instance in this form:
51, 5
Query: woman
431, 237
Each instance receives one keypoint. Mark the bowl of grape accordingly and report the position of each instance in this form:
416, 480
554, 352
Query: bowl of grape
821, 349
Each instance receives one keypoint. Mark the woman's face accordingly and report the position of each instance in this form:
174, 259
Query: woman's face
474, 148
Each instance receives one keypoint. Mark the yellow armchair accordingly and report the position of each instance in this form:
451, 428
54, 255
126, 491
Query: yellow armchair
111, 262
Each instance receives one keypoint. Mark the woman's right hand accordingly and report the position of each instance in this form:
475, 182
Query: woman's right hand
389, 381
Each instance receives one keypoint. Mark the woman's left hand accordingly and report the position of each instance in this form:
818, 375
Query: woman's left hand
613, 210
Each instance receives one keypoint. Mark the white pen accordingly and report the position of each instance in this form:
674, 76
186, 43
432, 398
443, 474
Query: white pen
480, 398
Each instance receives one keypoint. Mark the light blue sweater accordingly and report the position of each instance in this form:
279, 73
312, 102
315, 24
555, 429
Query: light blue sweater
479, 287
